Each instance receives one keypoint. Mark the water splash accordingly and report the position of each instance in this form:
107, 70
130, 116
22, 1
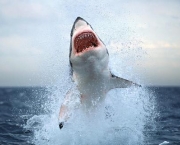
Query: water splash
120, 119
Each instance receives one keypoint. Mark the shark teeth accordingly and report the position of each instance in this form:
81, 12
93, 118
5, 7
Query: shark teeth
84, 41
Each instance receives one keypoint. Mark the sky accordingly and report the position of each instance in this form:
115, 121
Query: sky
35, 35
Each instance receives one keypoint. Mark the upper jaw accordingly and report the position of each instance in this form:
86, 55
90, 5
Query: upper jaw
84, 36
79, 22
82, 29
80, 26
85, 40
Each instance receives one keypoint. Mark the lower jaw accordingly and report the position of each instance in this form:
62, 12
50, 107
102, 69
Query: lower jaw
86, 50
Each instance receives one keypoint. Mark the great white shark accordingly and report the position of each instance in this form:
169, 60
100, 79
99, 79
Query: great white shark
89, 59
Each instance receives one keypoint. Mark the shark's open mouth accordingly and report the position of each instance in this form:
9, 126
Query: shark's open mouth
84, 41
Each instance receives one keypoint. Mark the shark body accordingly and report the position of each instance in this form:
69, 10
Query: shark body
89, 66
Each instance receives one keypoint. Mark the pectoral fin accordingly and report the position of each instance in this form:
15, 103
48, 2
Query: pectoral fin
117, 82
71, 102
64, 114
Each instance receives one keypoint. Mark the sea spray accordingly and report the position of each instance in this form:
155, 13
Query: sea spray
120, 119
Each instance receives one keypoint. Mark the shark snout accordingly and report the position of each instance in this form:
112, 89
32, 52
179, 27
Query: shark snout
80, 22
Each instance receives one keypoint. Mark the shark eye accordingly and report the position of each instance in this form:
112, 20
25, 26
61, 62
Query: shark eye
85, 40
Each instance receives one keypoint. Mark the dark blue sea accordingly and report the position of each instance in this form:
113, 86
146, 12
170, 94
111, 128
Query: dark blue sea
24, 118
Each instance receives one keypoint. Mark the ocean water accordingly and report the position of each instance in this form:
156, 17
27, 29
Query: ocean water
145, 116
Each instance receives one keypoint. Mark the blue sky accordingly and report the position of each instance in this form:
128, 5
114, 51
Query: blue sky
34, 39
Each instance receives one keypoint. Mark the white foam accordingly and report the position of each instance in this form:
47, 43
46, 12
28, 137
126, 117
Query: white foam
119, 120
163, 143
